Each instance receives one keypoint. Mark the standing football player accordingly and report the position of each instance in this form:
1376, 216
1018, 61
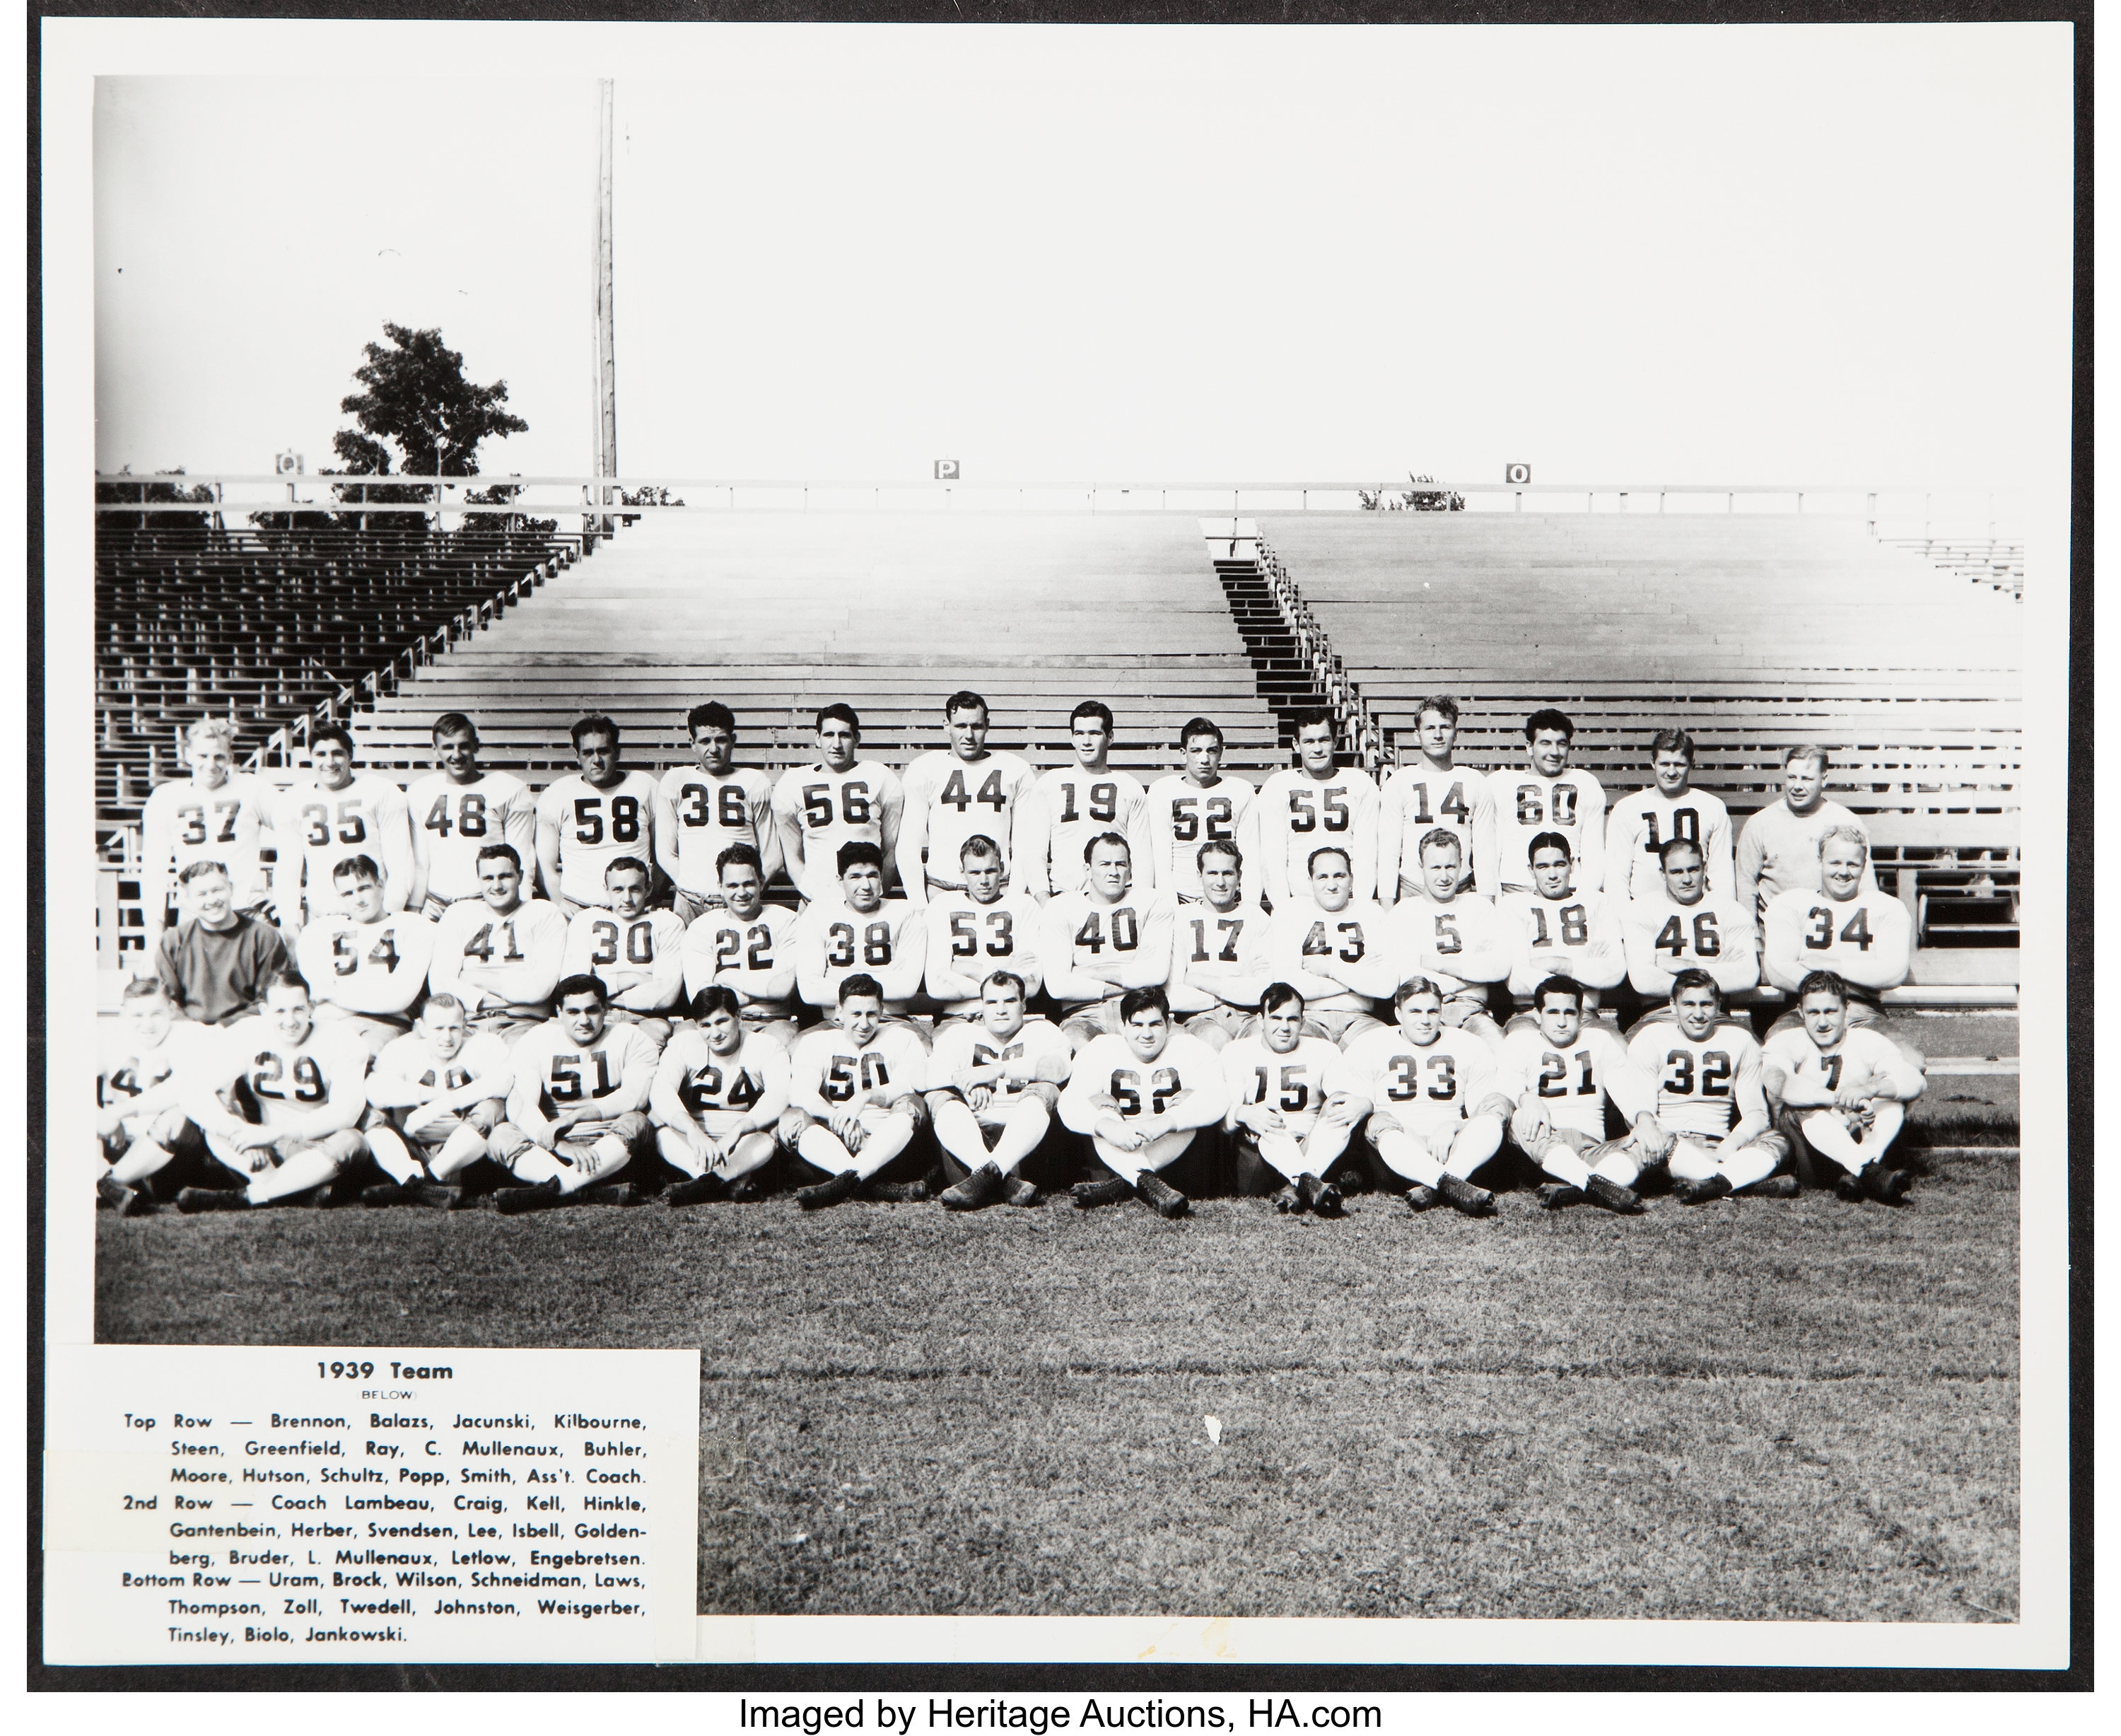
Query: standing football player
216, 815
746, 947
1104, 940
718, 1093
1562, 930
705, 809
636, 952
1843, 1088
576, 1107
500, 956
456, 811
1331, 947
591, 816
151, 1067
368, 967
1201, 805
342, 813
436, 1096
1709, 1096
976, 931
1547, 795
1070, 805
953, 794
994, 1082
838, 800
855, 1092
1642, 824
1218, 952
1456, 939
1141, 1097
1431, 792
1284, 1116
1779, 849
1313, 803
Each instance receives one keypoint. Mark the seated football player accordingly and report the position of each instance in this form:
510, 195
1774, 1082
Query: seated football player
1201, 805
854, 1099
497, 954
994, 1082
1435, 1111
305, 1085
1842, 1088
1709, 1096
1558, 1070
951, 795
577, 1109
1141, 1097
1318, 801
1546, 795
1457, 939
636, 952
1432, 792
1561, 931
215, 964
1778, 851
367, 966
1642, 824
975, 930
148, 1067
1331, 947
1219, 964
746, 947
591, 816
859, 934
1682, 926
718, 1093
1068, 807
1099, 943
1865, 936
434, 1098
1284, 1121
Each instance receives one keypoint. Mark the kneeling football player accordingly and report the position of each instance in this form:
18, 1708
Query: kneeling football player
720, 1091
434, 1098
141, 1119
1709, 1095
854, 1098
1281, 1115
1141, 1096
994, 1083
577, 1109
1844, 1087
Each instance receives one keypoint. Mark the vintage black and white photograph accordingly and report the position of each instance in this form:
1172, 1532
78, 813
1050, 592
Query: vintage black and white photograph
1256, 807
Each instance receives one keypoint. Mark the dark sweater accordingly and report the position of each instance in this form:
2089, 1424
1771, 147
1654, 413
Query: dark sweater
218, 978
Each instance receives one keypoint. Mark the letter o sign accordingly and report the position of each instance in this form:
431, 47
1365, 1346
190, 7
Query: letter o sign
1517, 473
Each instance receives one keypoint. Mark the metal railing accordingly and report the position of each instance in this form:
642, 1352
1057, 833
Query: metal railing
1351, 714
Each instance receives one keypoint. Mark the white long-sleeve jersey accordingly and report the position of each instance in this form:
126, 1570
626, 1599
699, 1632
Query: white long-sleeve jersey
1527, 803
1867, 940
1463, 944
1417, 799
1572, 1085
1182, 816
1297, 814
1664, 937
1578, 936
1642, 824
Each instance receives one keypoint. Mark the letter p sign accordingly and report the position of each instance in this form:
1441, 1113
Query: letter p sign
946, 469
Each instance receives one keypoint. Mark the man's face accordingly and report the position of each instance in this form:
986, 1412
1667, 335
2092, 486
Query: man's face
1221, 879
724, 1031
1438, 735
1204, 759
499, 880
837, 743
212, 898
1802, 782
443, 1028
1421, 1018
861, 1017
1332, 882
1314, 745
457, 754
983, 877
333, 764
862, 886
1001, 1010
148, 1019
581, 1017
742, 890
1550, 752
287, 1011
211, 763
1091, 740
1283, 1029
715, 748
1559, 1020
1440, 872
967, 727
1841, 868
1825, 1019
628, 887
363, 897
1147, 1032
1550, 872
1671, 769
1683, 876
598, 757
1696, 1010
1111, 872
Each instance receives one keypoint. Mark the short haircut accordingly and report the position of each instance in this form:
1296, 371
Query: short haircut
1548, 841
980, 845
1809, 750
1694, 977
292, 978
444, 1003
716, 997
1109, 837
1220, 847
139, 989
1007, 977
1310, 716
1096, 708
713, 715
838, 711
582, 982
1443, 704
634, 862
452, 723
1199, 727
1672, 741
1671, 844
1280, 995
964, 700
1854, 834
211, 729
1417, 986
490, 852
861, 982
741, 856
200, 870
1822, 982
858, 850
595, 724
1547, 718
1311, 861
361, 868
1559, 984
1140, 1000
1435, 839
331, 732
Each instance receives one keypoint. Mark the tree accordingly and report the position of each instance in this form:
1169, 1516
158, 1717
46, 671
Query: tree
114, 493
417, 397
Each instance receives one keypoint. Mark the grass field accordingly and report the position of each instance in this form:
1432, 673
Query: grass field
1759, 1409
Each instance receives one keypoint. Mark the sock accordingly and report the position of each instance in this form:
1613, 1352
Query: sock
889, 1136
391, 1157
1408, 1158
1756, 1163
461, 1150
820, 1148
533, 1166
1127, 1165
754, 1151
1477, 1141
1022, 1133
1618, 1168
1166, 1149
1564, 1165
308, 1168
143, 1158
1285, 1153
679, 1153
1830, 1137
1328, 1140
606, 1154
957, 1132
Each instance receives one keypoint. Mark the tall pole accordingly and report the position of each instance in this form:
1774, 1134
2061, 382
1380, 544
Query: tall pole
607, 391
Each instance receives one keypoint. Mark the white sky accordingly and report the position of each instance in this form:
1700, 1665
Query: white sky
1788, 254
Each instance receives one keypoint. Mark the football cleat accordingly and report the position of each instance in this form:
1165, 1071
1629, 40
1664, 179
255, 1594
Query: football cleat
828, 1192
1556, 1195
1318, 1196
1422, 1198
1701, 1191
1288, 1200
1169, 1201
387, 1193
698, 1192
1023, 1193
1772, 1187
902, 1193
979, 1189
1847, 1185
123, 1200
1110, 1192
1613, 1197
433, 1195
542, 1197
611, 1193
747, 1189
1888, 1186
1475, 1202
212, 1199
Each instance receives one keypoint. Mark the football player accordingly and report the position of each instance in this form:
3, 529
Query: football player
456, 811
718, 1093
859, 933
952, 795
576, 1109
1546, 795
1284, 1116
146, 1075
216, 815
368, 966
1331, 947
1682, 927
1201, 805
1313, 803
1104, 940
636, 952
705, 809
435, 1097
855, 1098
1456, 939
1642, 824
1430, 791
839, 799
1218, 957
976, 931
1708, 1095
214, 965
1558, 1071
501, 956
1434, 1104
1072, 805
746, 947
1141, 1097
342, 813
307, 1084
994, 1082
591, 816
1561, 929
1779, 849
1843, 1088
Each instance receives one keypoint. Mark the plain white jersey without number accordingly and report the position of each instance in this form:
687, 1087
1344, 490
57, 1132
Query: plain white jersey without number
1066, 809
1417, 800
1527, 803
1296, 1084
483, 1060
639, 959
1664, 937
287, 1081
125, 1070
1778, 851
961, 1048
453, 821
1572, 1084
1704, 1085
1862, 1053
1463, 944
1206, 943
183, 823
746, 954
706, 814
1865, 940
1297, 814
961, 798
967, 940
486, 957
1181, 816
1418, 1084
1642, 824
828, 808
320, 828
596, 828
830, 1074
719, 1091
378, 967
